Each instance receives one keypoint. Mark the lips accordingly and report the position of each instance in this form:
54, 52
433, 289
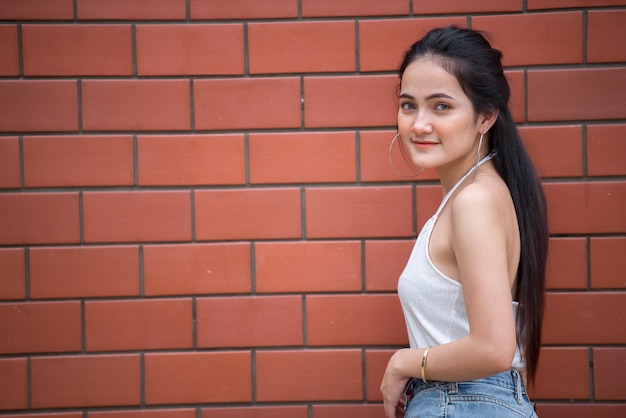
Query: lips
424, 143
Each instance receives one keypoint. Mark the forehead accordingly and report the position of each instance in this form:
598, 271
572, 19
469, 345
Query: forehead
425, 76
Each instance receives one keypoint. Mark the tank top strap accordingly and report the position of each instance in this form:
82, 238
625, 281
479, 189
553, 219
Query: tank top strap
462, 179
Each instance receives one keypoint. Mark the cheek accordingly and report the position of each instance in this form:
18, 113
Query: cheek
459, 128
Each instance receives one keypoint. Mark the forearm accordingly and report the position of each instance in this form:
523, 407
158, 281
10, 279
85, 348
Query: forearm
460, 360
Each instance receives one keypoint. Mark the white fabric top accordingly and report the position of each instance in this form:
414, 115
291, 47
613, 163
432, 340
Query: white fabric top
433, 304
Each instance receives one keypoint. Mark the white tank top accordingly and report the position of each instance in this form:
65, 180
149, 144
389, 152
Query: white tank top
433, 304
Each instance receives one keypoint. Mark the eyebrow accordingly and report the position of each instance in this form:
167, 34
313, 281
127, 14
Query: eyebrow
430, 97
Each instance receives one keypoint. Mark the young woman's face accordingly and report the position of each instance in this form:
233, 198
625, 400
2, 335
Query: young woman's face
436, 120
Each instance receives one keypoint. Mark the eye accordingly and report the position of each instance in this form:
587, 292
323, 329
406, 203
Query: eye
442, 106
407, 106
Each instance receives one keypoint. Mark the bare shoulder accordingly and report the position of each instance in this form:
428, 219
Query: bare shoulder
485, 189
485, 200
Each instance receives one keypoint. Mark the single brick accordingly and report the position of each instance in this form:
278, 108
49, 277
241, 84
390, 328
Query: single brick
580, 207
350, 101
317, 8
308, 266
311, 375
122, 325
298, 47
184, 49
198, 377
248, 214
156, 413
131, 10
183, 269
128, 216
39, 218
346, 212
40, 327
307, 157
462, 6
129, 105
77, 50
249, 321
72, 161
191, 160
354, 320
37, 10
296, 411
598, 94
82, 272
243, 9
599, 318
266, 103
38, 105
85, 381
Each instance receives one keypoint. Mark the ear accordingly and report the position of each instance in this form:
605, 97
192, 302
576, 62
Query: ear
486, 120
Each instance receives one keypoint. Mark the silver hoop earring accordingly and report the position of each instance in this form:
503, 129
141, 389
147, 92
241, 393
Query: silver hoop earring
480, 145
404, 157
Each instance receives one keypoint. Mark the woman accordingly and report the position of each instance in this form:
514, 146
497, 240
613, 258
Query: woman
472, 290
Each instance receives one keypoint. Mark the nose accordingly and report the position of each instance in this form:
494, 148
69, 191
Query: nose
421, 124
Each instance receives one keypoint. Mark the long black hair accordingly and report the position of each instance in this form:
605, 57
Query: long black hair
477, 66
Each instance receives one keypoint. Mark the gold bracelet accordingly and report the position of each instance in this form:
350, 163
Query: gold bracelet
424, 364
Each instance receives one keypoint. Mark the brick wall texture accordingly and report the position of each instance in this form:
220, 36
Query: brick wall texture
198, 218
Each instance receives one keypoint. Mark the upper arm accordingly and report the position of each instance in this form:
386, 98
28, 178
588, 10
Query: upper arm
480, 241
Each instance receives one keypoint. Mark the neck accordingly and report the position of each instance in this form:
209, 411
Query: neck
451, 174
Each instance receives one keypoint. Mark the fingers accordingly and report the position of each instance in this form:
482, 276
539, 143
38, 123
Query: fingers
396, 411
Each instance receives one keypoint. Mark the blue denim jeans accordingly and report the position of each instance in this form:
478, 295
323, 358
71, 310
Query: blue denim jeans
501, 395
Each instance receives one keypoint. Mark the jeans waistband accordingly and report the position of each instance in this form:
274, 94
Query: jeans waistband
508, 379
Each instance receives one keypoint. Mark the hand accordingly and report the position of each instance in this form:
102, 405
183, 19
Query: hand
392, 388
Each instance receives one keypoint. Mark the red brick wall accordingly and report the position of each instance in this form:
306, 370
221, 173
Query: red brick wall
198, 219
